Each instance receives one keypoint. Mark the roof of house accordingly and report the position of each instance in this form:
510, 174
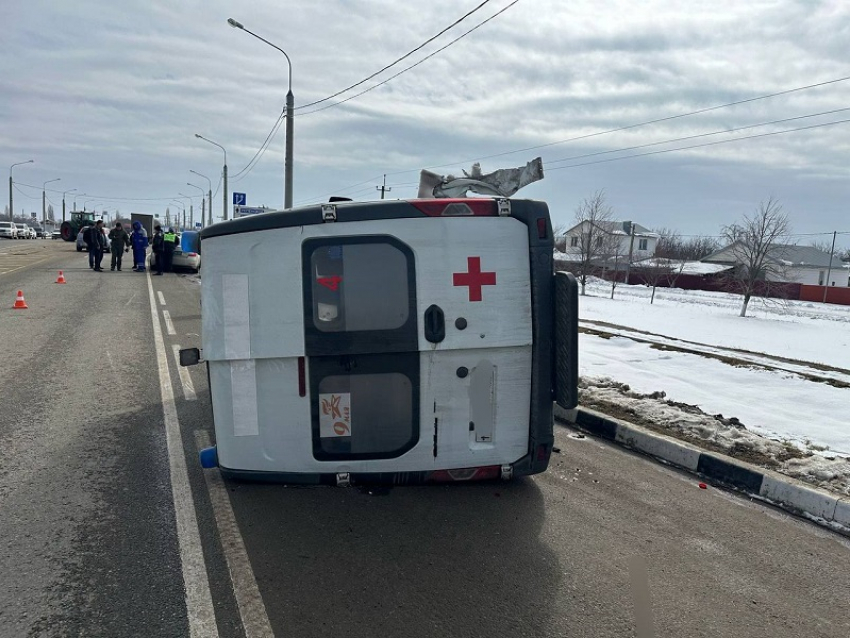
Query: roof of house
619, 228
789, 255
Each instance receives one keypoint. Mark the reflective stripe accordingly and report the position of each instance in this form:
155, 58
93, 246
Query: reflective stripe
170, 237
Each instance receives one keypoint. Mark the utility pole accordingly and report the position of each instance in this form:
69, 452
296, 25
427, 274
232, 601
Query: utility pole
631, 247
203, 211
383, 188
829, 270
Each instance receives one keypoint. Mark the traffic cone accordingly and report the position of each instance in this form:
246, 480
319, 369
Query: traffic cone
61, 279
20, 304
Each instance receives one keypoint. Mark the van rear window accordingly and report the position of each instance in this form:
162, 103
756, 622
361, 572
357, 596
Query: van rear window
359, 286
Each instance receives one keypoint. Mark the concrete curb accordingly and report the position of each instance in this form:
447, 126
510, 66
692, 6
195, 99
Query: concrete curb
790, 494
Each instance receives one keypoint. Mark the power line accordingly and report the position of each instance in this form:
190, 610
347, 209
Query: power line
646, 123
412, 66
684, 148
691, 137
99, 197
632, 126
392, 64
276, 126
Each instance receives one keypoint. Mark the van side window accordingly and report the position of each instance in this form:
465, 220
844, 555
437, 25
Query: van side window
359, 286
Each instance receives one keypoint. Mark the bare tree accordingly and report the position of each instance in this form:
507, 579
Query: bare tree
594, 241
754, 244
696, 248
558, 233
617, 253
671, 245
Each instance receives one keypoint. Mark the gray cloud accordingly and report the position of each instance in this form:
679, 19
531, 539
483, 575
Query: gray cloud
108, 96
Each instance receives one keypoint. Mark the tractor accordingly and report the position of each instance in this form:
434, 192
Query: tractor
79, 220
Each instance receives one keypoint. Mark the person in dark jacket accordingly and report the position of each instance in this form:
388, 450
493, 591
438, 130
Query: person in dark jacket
169, 241
157, 247
119, 241
87, 231
98, 244
139, 240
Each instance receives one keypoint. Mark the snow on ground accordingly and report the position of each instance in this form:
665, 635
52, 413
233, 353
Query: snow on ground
794, 425
776, 405
793, 329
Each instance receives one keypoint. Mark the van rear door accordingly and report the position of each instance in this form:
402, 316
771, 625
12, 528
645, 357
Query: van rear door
474, 294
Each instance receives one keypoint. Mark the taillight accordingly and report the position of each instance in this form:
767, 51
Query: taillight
541, 228
192, 254
488, 472
542, 452
302, 379
457, 207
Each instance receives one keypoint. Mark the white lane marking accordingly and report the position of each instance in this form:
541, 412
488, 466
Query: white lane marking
252, 610
185, 379
9, 272
160, 297
169, 327
199, 605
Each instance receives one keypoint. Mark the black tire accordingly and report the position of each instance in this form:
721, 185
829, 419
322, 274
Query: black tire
68, 233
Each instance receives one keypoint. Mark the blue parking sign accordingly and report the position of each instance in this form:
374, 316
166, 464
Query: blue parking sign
239, 199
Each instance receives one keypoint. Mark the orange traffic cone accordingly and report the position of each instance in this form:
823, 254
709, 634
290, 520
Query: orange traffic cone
61, 279
20, 304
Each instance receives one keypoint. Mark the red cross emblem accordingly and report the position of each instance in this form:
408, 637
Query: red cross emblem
475, 279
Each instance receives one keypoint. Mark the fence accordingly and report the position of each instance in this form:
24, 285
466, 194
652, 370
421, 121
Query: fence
721, 283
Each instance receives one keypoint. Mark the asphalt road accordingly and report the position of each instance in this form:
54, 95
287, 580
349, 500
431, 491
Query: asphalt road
89, 540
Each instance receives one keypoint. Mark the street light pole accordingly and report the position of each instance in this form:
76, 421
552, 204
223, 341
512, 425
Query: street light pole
86, 202
191, 208
201, 137
290, 112
202, 203
63, 203
44, 200
11, 204
209, 218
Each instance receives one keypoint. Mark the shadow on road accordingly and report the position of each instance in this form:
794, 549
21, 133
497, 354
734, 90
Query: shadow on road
460, 560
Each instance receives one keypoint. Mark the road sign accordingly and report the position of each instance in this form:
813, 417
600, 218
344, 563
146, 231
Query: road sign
198, 224
242, 211
239, 199
35, 215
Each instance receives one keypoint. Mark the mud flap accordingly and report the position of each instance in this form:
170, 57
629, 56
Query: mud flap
565, 379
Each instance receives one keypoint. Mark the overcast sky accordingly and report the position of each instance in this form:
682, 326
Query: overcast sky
108, 96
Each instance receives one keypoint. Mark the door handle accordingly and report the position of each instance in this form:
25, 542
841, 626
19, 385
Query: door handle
435, 324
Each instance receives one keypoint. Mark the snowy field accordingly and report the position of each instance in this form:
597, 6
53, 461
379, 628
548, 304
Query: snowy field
763, 388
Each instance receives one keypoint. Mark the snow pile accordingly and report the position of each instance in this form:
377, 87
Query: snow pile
815, 465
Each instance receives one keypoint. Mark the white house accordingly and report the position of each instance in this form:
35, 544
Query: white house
791, 264
613, 239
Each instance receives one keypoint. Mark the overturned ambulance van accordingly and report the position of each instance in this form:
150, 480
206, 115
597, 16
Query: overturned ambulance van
399, 341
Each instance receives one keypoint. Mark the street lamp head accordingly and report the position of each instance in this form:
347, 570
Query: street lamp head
198, 136
233, 23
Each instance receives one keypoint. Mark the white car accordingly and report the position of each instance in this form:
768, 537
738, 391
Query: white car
181, 260
23, 231
8, 230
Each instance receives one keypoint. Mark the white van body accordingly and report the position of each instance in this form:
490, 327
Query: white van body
377, 340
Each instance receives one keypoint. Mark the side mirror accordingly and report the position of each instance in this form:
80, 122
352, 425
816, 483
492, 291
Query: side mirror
190, 357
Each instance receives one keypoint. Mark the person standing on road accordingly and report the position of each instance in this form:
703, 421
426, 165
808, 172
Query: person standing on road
119, 243
139, 239
87, 232
169, 240
157, 246
98, 244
